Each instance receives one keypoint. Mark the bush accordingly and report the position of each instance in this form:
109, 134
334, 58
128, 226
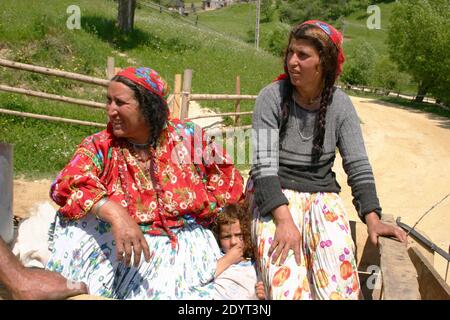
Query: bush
387, 75
267, 10
359, 65
277, 39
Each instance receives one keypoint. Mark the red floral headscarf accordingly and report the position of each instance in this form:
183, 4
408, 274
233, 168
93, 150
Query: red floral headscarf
149, 79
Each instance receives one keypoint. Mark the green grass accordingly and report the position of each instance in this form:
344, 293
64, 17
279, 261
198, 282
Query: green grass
35, 32
356, 28
239, 21
235, 20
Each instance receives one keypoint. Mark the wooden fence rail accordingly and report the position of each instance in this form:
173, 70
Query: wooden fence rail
50, 118
187, 96
54, 97
198, 97
222, 115
54, 72
179, 101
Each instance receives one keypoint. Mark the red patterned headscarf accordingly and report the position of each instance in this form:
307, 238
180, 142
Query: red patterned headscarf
334, 35
149, 79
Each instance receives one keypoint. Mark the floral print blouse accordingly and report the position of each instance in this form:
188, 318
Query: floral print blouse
189, 176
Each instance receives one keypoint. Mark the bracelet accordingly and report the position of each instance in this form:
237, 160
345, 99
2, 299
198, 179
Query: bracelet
100, 204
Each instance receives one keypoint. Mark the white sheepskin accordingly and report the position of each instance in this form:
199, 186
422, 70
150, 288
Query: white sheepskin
31, 245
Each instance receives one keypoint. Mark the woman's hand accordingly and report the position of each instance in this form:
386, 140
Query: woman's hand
126, 232
376, 228
287, 236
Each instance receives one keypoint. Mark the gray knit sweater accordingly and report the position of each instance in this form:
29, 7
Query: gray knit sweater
289, 165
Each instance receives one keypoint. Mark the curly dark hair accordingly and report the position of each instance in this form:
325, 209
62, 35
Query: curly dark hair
153, 107
230, 214
328, 54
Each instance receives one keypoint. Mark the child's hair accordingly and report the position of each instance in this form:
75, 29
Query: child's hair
229, 215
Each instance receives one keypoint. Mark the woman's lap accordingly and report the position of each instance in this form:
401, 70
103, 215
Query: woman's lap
84, 250
328, 266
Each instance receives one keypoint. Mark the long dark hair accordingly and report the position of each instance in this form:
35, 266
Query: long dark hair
328, 54
153, 107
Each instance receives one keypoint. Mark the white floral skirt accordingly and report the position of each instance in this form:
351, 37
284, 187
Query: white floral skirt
328, 265
84, 250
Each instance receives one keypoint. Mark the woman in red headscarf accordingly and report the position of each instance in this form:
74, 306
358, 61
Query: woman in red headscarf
301, 229
135, 200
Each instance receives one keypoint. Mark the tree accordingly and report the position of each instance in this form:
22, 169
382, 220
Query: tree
419, 42
359, 64
267, 10
387, 75
277, 39
293, 11
126, 15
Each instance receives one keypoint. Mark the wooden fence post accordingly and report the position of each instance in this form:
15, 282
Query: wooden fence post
110, 68
187, 82
237, 119
6, 192
177, 97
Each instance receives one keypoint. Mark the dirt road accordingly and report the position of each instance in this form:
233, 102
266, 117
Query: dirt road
410, 155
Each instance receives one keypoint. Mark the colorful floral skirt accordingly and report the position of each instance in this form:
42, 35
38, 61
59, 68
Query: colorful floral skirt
84, 250
328, 266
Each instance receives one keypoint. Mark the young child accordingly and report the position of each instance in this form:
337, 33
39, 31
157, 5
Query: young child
235, 277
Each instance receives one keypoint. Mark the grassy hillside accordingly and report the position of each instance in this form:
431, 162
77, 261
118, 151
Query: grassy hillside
234, 20
356, 28
239, 19
35, 32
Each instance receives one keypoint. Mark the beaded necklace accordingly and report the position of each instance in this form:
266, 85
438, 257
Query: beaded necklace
144, 164
153, 171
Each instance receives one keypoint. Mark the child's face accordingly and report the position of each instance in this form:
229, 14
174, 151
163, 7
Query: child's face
230, 235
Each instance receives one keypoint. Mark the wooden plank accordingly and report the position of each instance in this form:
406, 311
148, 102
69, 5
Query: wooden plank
110, 68
51, 118
55, 97
186, 94
54, 72
398, 272
176, 105
6, 192
222, 115
197, 97
431, 284
368, 262
237, 107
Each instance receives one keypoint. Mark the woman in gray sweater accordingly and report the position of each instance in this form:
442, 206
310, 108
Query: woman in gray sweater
301, 228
